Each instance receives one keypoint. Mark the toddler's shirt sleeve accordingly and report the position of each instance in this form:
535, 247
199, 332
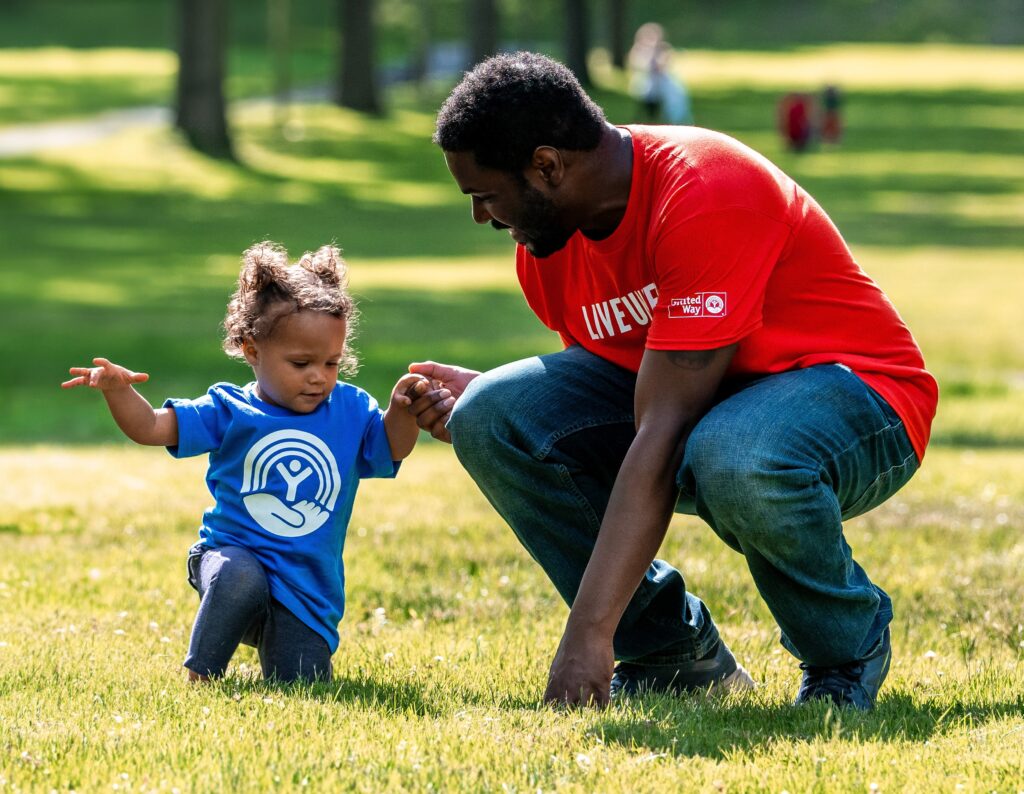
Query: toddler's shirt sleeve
374, 459
201, 424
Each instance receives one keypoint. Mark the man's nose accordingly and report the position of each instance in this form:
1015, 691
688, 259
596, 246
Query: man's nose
480, 215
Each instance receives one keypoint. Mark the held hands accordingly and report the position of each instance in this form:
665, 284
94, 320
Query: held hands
432, 414
105, 376
581, 673
418, 390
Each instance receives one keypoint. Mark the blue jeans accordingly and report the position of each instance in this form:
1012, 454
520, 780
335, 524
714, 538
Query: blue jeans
235, 607
774, 467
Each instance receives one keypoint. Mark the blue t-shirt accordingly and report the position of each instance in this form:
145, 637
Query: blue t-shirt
284, 484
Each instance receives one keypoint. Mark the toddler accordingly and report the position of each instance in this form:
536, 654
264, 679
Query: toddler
287, 452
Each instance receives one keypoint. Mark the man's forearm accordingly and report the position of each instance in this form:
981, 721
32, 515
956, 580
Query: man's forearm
634, 526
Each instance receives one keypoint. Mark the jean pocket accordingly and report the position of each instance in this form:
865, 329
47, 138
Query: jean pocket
885, 485
195, 555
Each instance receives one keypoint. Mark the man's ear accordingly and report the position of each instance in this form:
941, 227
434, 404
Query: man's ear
549, 165
249, 351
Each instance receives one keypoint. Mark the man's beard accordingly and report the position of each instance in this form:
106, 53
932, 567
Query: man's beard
536, 222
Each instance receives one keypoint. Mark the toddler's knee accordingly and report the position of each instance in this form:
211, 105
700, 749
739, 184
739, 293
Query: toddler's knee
239, 578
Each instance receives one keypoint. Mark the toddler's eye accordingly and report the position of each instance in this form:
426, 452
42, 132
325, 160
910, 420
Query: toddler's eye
299, 364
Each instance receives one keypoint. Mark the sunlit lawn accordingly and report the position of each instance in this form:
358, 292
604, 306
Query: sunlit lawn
449, 631
128, 248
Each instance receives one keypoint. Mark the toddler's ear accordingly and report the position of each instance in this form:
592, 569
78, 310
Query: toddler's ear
250, 352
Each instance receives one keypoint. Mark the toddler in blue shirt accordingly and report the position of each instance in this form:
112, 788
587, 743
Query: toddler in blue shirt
286, 455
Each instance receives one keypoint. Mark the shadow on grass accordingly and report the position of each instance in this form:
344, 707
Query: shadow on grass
692, 727
386, 698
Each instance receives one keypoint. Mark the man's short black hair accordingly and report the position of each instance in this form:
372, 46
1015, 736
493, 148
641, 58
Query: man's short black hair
510, 104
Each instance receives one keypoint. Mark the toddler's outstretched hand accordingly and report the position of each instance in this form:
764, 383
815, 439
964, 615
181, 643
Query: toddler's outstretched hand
105, 376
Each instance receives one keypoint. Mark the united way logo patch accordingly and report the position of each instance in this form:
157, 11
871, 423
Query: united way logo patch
700, 304
277, 468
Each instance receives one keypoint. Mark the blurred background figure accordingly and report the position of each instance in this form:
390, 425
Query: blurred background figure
661, 95
796, 114
831, 119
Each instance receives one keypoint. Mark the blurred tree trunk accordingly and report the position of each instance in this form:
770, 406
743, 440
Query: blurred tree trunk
279, 36
356, 85
422, 40
577, 39
617, 33
202, 45
483, 29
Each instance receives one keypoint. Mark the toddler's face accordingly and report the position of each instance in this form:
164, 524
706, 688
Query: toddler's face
297, 367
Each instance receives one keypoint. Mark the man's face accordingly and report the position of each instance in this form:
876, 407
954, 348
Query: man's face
507, 202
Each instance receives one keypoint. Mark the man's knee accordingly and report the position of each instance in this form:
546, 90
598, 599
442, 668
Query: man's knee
731, 472
482, 413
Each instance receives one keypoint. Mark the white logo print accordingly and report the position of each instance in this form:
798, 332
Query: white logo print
288, 458
700, 304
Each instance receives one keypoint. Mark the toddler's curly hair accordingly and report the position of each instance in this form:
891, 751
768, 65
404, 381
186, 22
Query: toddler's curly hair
269, 289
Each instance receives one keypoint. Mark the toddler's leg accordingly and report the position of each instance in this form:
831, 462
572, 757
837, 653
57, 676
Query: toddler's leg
290, 650
234, 595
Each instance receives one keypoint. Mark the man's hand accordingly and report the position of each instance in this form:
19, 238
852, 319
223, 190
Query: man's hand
581, 673
432, 414
105, 376
411, 387
400, 420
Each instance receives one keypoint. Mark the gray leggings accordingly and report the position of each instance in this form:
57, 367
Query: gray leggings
236, 607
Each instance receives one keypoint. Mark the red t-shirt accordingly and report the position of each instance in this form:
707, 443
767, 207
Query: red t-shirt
718, 246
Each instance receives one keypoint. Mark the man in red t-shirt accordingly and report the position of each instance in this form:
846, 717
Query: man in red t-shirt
724, 355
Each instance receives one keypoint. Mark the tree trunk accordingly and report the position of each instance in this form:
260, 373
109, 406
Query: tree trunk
201, 112
617, 33
577, 39
483, 29
279, 37
422, 41
356, 87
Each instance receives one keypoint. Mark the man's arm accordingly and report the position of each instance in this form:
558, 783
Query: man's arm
674, 389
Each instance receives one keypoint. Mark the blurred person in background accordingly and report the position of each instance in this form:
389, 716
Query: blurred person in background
661, 95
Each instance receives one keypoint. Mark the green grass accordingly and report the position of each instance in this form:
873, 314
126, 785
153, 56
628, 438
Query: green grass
129, 247
449, 631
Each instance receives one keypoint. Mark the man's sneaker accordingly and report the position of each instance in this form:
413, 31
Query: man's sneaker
855, 684
715, 672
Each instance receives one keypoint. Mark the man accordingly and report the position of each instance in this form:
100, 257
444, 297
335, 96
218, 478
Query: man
724, 355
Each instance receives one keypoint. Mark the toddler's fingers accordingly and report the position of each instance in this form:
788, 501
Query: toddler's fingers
101, 362
138, 377
70, 384
414, 386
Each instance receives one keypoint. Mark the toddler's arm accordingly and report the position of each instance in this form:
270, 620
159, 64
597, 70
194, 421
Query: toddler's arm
399, 424
132, 412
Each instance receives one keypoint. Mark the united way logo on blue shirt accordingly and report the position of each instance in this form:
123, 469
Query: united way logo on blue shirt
276, 469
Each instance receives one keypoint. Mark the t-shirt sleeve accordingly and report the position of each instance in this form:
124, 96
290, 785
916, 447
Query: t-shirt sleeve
201, 424
712, 270
374, 458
